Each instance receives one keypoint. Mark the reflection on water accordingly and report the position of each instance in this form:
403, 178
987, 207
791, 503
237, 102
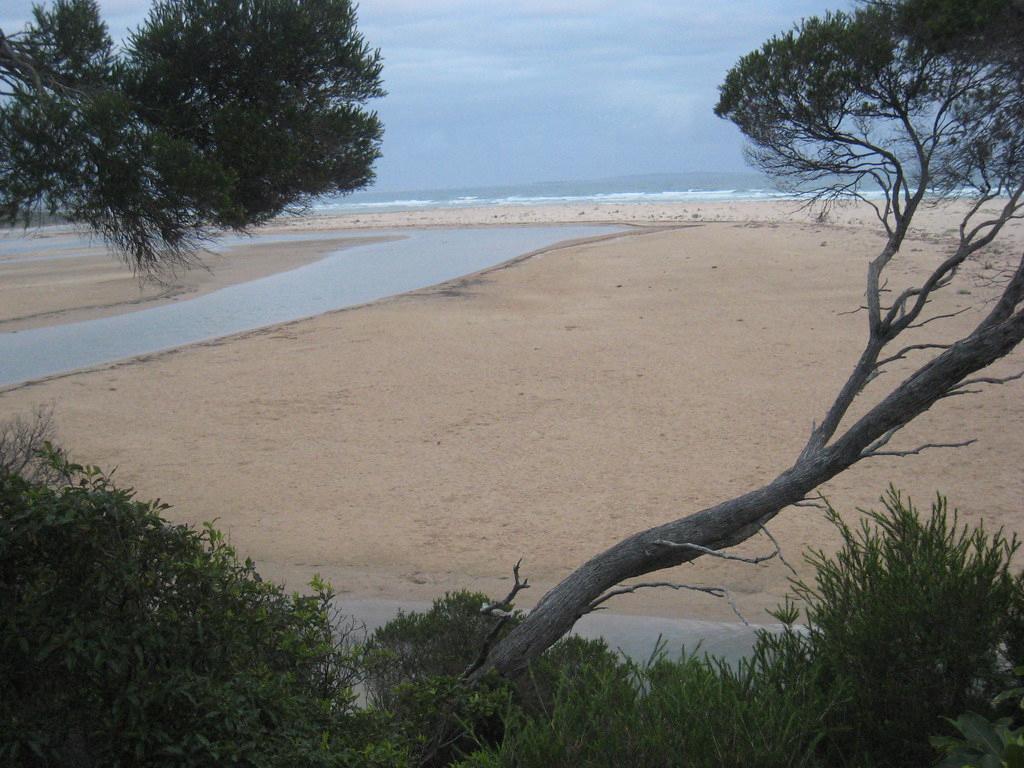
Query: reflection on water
345, 278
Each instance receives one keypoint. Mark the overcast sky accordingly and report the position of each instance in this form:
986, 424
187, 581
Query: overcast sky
490, 93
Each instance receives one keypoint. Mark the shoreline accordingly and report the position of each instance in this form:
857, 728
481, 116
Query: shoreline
97, 284
544, 409
105, 286
320, 247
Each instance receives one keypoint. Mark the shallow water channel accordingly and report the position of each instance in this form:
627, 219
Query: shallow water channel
344, 278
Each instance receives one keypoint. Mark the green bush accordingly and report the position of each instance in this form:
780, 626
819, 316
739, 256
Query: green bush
565, 666
415, 661
912, 617
693, 712
983, 743
448, 638
440, 719
415, 646
125, 640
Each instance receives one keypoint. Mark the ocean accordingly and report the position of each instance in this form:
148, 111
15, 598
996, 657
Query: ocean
651, 188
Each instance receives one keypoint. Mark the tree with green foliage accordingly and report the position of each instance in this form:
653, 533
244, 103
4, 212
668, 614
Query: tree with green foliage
989, 29
897, 106
213, 115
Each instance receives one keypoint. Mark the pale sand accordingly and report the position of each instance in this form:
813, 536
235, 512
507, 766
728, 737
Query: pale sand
543, 411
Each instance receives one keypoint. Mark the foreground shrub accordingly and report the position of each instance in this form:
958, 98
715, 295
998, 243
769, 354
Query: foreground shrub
694, 712
125, 640
564, 671
417, 646
440, 719
445, 640
415, 661
912, 617
983, 743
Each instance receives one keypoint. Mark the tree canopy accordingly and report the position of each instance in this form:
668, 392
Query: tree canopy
211, 114
900, 96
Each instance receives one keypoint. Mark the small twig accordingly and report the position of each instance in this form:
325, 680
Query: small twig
807, 503
903, 352
987, 380
720, 592
945, 316
882, 441
504, 606
714, 552
955, 392
914, 451
851, 311
818, 502
778, 549
503, 612
873, 375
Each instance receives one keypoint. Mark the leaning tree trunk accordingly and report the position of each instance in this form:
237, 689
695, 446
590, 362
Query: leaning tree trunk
736, 520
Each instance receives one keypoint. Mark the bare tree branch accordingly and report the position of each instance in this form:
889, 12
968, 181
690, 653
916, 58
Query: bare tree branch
23, 443
626, 589
503, 607
859, 309
944, 316
901, 355
715, 553
988, 380
882, 441
914, 451
503, 611
778, 549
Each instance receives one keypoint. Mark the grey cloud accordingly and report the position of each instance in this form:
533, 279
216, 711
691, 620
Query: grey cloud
521, 90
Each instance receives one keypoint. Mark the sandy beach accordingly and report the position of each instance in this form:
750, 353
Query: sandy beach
543, 410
